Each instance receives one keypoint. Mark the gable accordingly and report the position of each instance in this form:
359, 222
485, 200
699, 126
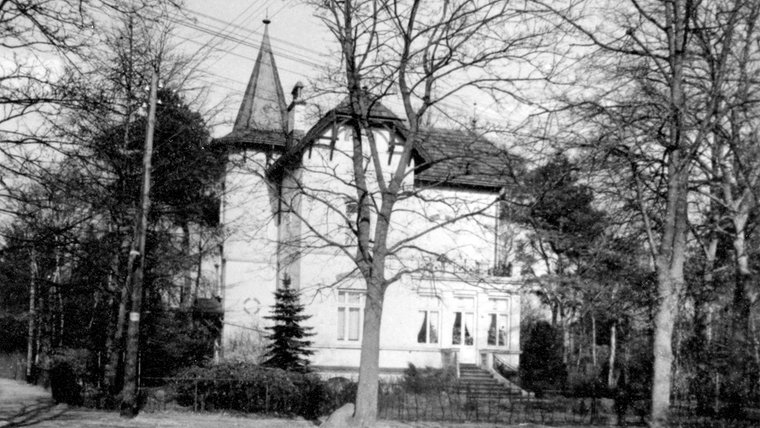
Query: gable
443, 157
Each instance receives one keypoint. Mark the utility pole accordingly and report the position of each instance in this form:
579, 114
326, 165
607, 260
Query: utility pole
129, 392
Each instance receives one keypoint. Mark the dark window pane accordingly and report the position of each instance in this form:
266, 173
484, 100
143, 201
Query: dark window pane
422, 334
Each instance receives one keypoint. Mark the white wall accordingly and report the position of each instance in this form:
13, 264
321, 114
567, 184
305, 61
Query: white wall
249, 255
321, 229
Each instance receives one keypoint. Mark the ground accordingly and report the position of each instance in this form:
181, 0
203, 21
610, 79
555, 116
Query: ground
27, 405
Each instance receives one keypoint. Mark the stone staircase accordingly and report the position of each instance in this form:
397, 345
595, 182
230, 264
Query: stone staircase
479, 383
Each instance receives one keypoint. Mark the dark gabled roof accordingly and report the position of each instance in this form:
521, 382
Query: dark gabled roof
444, 157
379, 114
377, 110
461, 158
255, 138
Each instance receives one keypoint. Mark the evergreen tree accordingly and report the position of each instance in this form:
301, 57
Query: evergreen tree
288, 348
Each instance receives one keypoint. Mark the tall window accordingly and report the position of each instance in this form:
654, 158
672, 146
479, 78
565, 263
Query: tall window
428, 322
464, 322
498, 327
349, 315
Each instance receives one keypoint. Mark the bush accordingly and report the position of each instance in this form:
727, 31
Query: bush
251, 388
427, 380
172, 341
338, 391
541, 365
69, 369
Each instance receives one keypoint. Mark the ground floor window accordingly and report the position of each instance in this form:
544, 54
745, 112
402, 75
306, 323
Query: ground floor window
461, 330
349, 315
428, 331
498, 327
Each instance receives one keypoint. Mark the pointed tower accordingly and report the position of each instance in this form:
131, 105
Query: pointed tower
262, 120
249, 209
263, 106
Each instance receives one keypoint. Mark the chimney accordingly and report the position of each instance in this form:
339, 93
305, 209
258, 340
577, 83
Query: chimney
474, 119
296, 109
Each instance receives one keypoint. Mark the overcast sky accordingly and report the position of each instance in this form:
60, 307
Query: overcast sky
299, 41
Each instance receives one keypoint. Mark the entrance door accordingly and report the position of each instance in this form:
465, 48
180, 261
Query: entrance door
463, 329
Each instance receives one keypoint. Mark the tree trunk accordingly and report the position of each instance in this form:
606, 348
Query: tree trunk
663, 352
58, 297
115, 336
670, 279
115, 343
743, 280
30, 341
703, 307
611, 380
369, 365
672, 249
593, 341
187, 286
199, 272
743, 376
567, 347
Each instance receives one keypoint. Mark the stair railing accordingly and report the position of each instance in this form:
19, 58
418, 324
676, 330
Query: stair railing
501, 365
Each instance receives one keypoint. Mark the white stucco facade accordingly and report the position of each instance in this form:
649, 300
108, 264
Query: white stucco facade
289, 211
448, 302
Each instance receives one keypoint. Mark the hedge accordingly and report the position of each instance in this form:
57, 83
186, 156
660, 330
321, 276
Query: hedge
252, 388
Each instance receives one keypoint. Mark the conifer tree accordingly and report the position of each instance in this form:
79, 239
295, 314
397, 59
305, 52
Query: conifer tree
288, 348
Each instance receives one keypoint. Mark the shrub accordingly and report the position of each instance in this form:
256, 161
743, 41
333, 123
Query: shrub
251, 388
69, 370
541, 365
173, 341
427, 380
338, 391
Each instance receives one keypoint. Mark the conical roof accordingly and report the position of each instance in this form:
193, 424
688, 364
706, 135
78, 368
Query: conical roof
263, 107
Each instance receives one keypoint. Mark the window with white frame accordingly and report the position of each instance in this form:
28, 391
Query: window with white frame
350, 305
428, 330
498, 322
463, 328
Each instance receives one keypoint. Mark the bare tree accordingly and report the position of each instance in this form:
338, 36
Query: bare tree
729, 168
421, 55
662, 108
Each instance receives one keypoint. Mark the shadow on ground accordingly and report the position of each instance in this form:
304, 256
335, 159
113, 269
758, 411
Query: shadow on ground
30, 413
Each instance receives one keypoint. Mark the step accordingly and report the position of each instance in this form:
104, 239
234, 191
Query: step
479, 383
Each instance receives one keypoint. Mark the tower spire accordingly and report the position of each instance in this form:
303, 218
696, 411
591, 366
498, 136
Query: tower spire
263, 106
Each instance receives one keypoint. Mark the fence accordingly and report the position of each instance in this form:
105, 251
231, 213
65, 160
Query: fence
455, 403
458, 404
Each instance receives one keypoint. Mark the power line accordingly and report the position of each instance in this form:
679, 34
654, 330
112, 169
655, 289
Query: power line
297, 73
256, 32
250, 32
303, 54
228, 25
292, 56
